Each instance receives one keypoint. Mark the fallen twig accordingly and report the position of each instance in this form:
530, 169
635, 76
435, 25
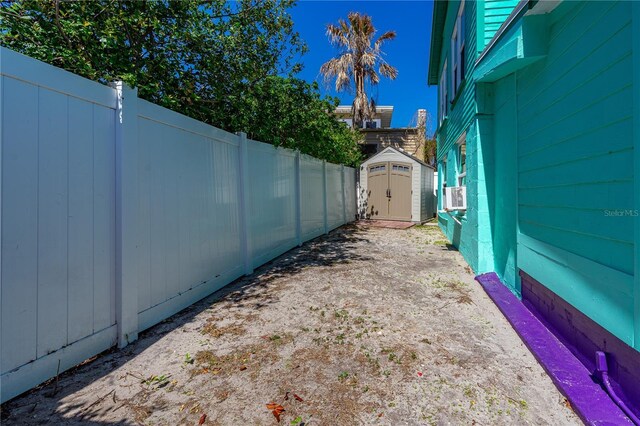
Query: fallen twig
55, 387
97, 401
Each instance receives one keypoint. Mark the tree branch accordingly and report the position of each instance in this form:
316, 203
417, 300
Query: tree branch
57, 20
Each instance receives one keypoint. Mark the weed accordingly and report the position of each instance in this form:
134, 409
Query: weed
158, 381
343, 376
341, 315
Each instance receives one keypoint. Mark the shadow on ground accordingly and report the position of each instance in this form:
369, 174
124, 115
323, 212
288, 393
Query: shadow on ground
333, 249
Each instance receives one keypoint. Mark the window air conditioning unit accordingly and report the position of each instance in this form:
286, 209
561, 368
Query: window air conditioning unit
456, 198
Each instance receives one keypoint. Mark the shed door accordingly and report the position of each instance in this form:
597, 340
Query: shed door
399, 191
389, 191
377, 191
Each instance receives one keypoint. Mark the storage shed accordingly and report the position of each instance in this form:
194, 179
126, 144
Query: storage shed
395, 185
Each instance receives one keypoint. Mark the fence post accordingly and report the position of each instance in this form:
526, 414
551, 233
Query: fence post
298, 199
243, 188
324, 196
126, 155
344, 197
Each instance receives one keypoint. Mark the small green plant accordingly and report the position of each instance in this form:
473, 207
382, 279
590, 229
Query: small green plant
158, 381
296, 421
188, 359
343, 376
341, 314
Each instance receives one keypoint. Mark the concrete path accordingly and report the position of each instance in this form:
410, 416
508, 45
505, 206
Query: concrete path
363, 326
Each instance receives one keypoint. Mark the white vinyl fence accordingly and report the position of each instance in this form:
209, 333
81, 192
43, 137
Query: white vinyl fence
117, 213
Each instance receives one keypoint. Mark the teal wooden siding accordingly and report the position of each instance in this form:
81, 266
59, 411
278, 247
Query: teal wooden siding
462, 110
503, 190
495, 13
575, 163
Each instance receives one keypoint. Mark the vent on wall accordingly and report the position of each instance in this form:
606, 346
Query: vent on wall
456, 198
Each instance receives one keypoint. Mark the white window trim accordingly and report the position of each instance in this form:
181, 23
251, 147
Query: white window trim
444, 98
462, 140
444, 182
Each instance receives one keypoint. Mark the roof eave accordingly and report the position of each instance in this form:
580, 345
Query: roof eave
437, 27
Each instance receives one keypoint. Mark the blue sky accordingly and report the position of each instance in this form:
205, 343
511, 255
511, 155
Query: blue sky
409, 52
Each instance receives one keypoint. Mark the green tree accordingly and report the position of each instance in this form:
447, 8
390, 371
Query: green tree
204, 59
300, 119
357, 60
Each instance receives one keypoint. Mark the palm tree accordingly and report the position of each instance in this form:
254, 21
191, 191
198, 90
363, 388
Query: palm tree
357, 60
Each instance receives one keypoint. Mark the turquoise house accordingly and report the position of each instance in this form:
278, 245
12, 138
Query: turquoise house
539, 119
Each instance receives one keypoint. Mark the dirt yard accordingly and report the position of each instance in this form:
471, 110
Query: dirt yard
363, 326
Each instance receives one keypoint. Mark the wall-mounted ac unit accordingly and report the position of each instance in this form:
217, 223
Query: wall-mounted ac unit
456, 198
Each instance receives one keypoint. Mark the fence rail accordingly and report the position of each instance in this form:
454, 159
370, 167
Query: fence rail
117, 213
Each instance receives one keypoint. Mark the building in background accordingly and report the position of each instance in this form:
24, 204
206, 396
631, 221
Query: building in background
538, 151
378, 133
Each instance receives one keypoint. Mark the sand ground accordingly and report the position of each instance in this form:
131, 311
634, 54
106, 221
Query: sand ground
362, 326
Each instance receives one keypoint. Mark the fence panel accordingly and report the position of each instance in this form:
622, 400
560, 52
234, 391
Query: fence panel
272, 207
350, 194
58, 221
312, 205
335, 194
188, 211
117, 213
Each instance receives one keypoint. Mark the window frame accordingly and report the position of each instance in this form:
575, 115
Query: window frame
462, 165
443, 94
376, 121
444, 182
457, 51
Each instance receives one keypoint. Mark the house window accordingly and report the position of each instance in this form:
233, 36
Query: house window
371, 124
457, 52
444, 99
443, 171
462, 161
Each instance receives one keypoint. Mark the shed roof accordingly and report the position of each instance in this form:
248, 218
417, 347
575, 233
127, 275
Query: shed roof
399, 151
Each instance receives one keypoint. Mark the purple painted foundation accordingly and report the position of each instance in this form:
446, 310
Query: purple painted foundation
573, 379
584, 337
